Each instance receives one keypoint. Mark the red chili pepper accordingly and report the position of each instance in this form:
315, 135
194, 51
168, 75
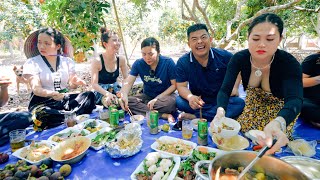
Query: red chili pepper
257, 147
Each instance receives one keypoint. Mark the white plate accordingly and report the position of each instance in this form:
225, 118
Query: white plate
254, 134
73, 129
234, 143
94, 135
169, 139
100, 123
83, 117
137, 119
210, 149
17, 153
194, 123
172, 174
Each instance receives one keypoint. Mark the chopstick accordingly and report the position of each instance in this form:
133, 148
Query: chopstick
200, 110
131, 115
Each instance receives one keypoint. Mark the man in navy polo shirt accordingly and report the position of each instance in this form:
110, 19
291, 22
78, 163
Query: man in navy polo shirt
203, 70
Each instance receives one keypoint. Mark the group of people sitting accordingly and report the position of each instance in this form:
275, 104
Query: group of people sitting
206, 79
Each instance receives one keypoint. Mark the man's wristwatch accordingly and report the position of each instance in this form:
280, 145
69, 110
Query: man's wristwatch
282, 123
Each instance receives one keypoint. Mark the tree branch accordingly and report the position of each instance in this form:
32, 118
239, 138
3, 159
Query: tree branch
238, 11
192, 17
224, 41
204, 14
306, 9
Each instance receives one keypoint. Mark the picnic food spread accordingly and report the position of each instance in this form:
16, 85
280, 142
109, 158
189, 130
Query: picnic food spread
175, 157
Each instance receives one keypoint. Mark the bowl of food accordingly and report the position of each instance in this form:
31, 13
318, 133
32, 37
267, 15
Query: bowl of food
36, 152
137, 118
229, 166
71, 150
230, 144
226, 127
82, 117
194, 124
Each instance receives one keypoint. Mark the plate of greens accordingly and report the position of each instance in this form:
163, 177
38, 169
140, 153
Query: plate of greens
100, 138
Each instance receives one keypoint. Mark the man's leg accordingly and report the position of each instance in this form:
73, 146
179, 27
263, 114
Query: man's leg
183, 105
235, 107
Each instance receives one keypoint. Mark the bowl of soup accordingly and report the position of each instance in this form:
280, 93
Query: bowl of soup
229, 166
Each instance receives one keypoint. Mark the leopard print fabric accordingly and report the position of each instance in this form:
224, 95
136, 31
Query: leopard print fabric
261, 108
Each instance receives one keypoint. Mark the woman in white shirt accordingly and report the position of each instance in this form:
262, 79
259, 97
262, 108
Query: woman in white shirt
50, 75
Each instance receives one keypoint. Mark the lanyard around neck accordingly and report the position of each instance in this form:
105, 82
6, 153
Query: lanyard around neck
48, 64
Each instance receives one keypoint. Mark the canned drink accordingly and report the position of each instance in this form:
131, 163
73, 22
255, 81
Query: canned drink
114, 118
121, 115
202, 132
112, 106
154, 119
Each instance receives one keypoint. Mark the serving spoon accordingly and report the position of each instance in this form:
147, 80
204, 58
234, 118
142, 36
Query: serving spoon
253, 162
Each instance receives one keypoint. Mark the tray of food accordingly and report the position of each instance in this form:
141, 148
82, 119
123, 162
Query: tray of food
173, 146
157, 166
68, 133
92, 125
36, 152
100, 138
186, 169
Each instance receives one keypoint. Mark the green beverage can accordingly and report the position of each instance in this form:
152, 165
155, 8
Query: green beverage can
202, 132
112, 106
114, 118
154, 120
121, 115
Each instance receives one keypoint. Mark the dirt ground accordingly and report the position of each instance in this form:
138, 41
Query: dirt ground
20, 102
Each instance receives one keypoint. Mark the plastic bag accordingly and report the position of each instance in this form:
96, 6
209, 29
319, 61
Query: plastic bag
301, 147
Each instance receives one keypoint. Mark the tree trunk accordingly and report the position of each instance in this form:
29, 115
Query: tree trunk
120, 31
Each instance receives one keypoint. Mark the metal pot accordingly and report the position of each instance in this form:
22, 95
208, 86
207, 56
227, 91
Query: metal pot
270, 166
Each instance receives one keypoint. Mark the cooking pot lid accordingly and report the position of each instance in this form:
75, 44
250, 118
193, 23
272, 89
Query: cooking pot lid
310, 167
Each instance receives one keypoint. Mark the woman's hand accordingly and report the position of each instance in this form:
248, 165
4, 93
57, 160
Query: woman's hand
220, 114
110, 98
195, 102
151, 103
273, 131
78, 81
57, 96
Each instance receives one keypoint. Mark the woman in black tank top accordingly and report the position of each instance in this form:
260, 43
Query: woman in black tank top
105, 69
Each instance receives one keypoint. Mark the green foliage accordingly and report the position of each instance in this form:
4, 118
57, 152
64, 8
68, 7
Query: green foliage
219, 12
79, 20
172, 26
299, 22
18, 19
